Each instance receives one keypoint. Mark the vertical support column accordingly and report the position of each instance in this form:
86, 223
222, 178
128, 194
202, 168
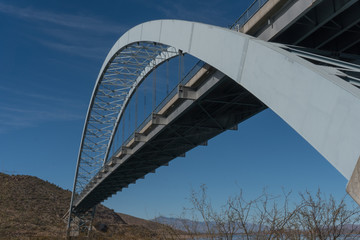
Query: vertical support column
136, 108
144, 101
123, 129
167, 77
91, 220
80, 224
154, 90
181, 55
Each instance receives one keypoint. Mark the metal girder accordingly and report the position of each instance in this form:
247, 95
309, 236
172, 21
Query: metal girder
319, 16
178, 136
348, 71
211, 117
351, 39
344, 21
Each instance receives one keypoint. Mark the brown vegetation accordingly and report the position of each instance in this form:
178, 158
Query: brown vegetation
314, 217
33, 209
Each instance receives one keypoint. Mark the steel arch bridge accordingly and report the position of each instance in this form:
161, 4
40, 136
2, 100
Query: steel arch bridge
317, 96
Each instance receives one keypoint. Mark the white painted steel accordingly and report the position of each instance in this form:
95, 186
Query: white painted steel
320, 106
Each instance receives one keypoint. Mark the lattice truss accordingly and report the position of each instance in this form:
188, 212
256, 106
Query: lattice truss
81, 224
126, 69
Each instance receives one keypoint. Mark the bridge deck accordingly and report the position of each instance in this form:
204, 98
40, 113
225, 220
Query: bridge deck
208, 107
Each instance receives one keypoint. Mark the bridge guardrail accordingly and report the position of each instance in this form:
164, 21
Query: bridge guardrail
245, 17
185, 80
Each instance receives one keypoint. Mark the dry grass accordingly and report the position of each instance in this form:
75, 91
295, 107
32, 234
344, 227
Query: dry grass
33, 209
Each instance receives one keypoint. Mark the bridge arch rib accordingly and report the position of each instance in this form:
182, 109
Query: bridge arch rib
313, 100
117, 81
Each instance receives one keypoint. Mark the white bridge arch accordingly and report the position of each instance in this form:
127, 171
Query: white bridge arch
312, 99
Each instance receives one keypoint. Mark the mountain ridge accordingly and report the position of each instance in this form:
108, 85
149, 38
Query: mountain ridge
34, 208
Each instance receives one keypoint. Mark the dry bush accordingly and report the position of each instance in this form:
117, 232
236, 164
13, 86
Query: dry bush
313, 217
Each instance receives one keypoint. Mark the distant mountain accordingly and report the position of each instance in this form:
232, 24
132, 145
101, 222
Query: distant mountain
199, 227
194, 226
185, 225
33, 208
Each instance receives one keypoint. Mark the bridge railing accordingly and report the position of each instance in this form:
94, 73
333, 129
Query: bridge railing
245, 17
185, 80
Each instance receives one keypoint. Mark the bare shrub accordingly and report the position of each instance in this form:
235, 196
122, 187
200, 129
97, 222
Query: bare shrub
314, 217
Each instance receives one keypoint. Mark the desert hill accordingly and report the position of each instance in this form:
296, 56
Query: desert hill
31, 208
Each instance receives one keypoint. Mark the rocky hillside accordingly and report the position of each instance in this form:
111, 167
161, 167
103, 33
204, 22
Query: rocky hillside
31, 208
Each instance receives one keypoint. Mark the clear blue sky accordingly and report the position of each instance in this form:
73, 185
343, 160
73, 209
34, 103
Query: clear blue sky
50, 55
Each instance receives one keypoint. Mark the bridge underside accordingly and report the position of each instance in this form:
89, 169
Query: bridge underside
221, 105
324, 25
331, 25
